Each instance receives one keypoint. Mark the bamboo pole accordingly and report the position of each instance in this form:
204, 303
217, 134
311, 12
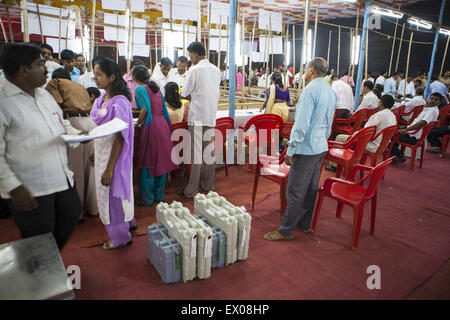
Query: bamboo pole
171, 4
339, 51
445, 56
220, 42
150, 52
227, 54
94, 5
243, 54
400, 48
367, 54
163, 53
305, 40
130, 32
266, 51
117, 39
4, 31
293, 51
184, 39
407, 64
199, 21
315, 30
156, 47
209, 31
26, 35
68, 22
393, 46
80, 25
250, 54
351, 57
356, 39
59, 34
329, 47
285, 55
39, 19
271, 42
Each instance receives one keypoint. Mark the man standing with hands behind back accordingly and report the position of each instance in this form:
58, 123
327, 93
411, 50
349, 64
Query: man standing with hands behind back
34, 173
202, 85
307, 149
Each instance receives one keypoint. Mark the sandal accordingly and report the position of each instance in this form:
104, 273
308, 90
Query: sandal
109, 246
276, 236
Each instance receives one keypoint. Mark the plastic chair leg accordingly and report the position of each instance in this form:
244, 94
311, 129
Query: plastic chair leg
340, 207
357, 220
422, 149
413, 159
373, 213
338, 171
255, 186
317, 209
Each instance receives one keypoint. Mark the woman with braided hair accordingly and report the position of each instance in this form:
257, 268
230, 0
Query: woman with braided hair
155, 145
277, 97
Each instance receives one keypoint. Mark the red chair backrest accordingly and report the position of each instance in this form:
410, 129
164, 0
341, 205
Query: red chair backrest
425, 131
371, 112
286, 129
224, 124
387, 133
377, 175
268, 122
415, 112
359, 141
443, 116
357, 119
398, 112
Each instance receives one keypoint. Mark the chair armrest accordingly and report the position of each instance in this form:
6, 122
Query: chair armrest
330, 181
335, 144
341, 121
356, 168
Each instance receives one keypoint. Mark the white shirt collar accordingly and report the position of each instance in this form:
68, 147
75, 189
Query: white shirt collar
11, 89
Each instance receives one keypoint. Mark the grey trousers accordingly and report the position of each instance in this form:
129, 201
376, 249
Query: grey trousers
84, 173
301, 192
202, 171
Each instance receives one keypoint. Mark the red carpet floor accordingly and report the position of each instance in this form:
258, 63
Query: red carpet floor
411, 242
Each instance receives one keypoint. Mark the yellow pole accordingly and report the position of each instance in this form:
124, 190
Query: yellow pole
393, 46
400, 47
339, 51
315, 30
445, 56
94, 5
407, 64
26, 35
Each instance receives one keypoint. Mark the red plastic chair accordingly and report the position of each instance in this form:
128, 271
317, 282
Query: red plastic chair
414, 112
275, 169
286, 128
398, 112
180, 125
348, 154
351, 125
387, 134
444, 120
371, 112
267, 122
224, 124
353, 194
425, 131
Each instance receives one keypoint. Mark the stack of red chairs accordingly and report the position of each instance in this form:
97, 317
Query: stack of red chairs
351, 125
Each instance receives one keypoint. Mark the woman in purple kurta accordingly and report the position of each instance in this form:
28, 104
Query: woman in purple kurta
114, 156
155, 146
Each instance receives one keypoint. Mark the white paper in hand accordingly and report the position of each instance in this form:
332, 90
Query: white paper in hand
106, 129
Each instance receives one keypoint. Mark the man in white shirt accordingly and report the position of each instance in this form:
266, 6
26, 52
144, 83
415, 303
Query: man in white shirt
162, 77
345, 97
382, 78
370, 99
202, 86
410, 90
418, 100
87, 78
34, 174
390, 86
179, 73
429, 114
51, 66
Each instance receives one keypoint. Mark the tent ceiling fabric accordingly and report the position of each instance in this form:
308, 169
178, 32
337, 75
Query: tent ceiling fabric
295, 9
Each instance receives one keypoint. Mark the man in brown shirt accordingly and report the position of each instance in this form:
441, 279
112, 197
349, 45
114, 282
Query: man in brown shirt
76, 104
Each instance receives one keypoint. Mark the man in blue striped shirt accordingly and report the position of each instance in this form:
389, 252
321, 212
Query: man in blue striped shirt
307, 149
390, 85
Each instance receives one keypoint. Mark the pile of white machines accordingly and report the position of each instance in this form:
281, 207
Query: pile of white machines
182, 246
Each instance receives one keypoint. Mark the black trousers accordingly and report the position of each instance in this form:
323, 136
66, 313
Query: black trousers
435, 134
406, 138
56, 213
